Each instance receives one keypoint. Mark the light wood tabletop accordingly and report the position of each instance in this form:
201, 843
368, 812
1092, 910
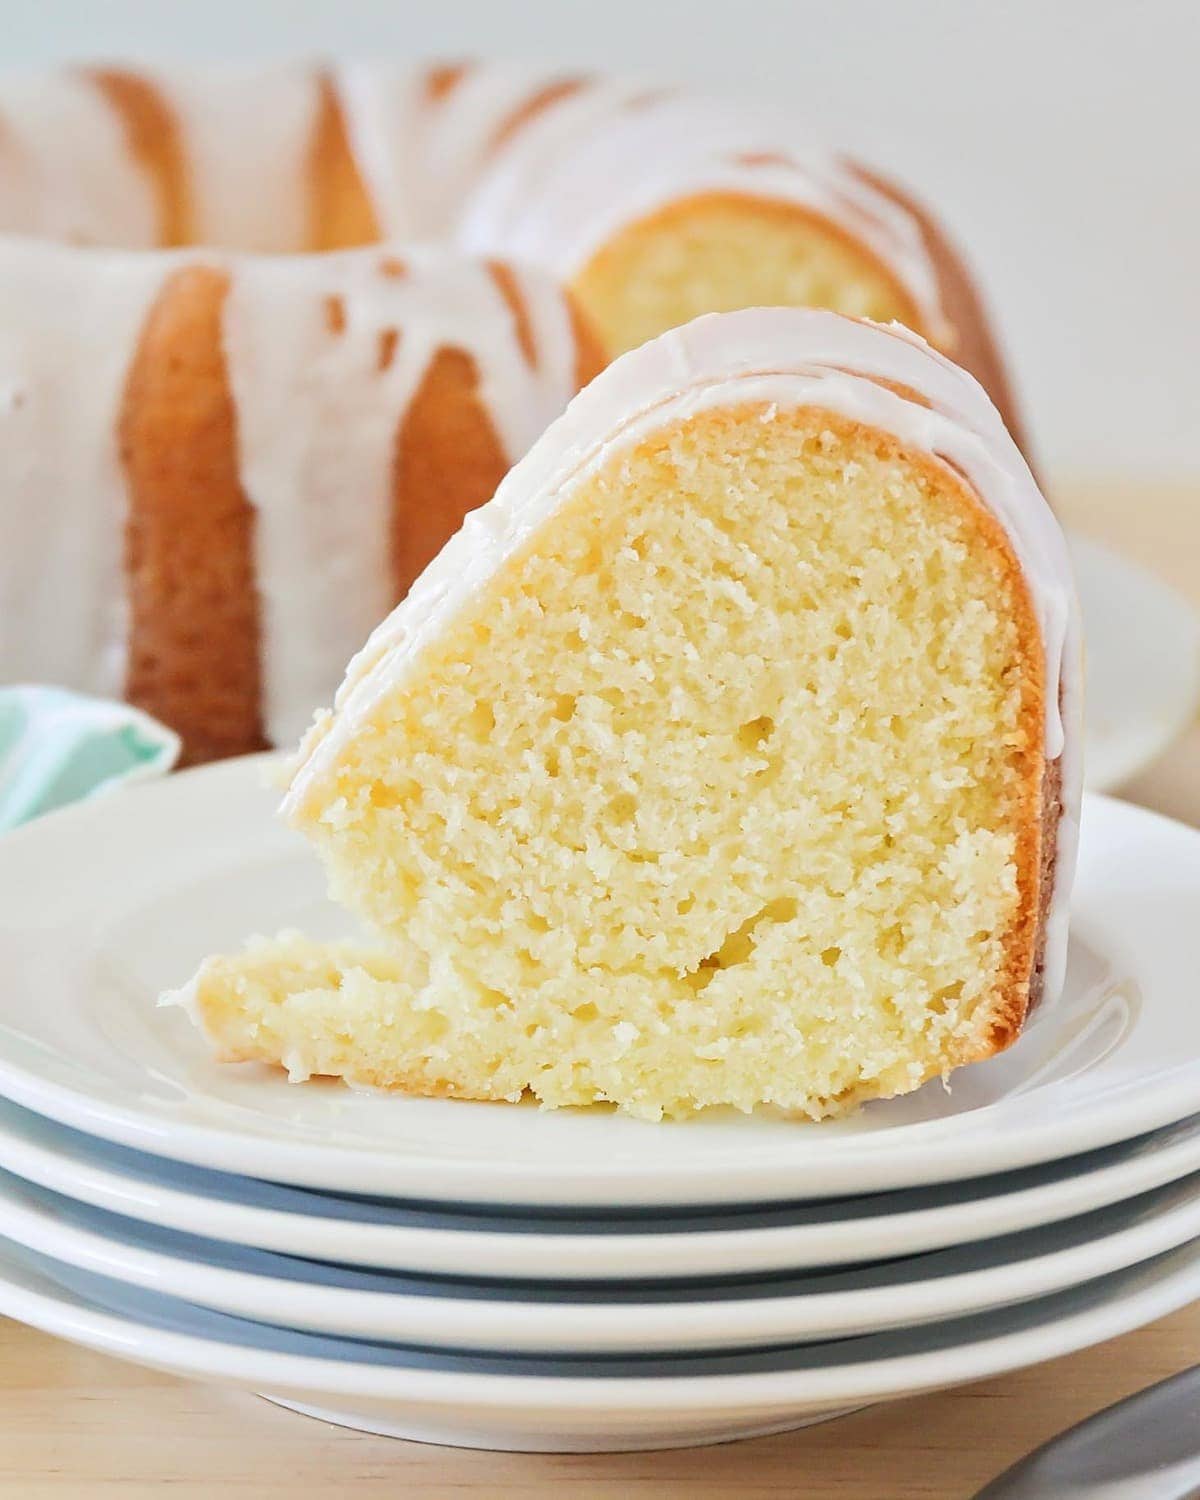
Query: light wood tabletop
79, 1424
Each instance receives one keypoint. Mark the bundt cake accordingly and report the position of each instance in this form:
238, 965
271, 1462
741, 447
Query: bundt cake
728, 756
268, 444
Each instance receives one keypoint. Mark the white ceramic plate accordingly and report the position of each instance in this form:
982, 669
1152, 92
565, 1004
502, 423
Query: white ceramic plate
629, 1318
570, 1244
109, 902
1143, 663
580, 1405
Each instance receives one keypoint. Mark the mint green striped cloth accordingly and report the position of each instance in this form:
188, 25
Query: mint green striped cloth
57, 747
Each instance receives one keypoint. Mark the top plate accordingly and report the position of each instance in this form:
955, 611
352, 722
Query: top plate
111, 901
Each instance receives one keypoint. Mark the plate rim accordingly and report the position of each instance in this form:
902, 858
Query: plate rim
81, 1321
623, 1255
591, 1327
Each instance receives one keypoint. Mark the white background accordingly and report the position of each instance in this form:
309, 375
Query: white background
1059, 140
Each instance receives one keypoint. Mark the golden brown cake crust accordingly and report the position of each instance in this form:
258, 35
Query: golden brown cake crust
153, 135
1038, 843
340, 210
448, 460
442, 79
194, 615
1020, 987
1023, 996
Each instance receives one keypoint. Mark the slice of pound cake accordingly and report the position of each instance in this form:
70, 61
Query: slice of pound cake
729, 756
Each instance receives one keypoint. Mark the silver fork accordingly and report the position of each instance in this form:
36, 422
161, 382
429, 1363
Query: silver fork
1146, 1447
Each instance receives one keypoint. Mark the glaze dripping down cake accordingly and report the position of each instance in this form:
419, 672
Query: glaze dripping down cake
188, 285
264, 452
654, 206
728, 756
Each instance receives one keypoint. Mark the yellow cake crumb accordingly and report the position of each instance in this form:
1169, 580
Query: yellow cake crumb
718, 793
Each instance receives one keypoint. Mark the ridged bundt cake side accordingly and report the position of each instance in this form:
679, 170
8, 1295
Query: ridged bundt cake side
230, 468
654, 205
194, 626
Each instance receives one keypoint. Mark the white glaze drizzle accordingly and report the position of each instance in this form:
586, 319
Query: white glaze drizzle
317, 429
423, 157
246, 132
785, 356
461, 133
316, 424
529, 158
383, 108
66, 172
69, 323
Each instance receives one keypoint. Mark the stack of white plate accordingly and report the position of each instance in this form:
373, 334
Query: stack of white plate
498, 1276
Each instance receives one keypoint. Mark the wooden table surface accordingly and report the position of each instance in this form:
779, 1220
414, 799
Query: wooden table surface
79, 1424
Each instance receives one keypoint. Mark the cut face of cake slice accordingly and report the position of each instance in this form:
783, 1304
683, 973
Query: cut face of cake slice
728, 757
